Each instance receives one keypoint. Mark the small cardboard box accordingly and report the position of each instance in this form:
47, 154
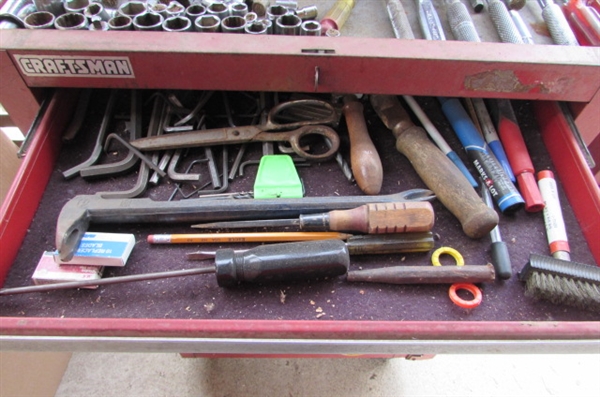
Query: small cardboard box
102, 249
50, 272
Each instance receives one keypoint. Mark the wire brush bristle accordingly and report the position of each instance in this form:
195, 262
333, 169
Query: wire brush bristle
562, 282
563, 291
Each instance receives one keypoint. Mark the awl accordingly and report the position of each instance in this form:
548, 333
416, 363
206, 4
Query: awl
400, 217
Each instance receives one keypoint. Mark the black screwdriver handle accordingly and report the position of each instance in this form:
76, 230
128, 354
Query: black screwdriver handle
282, 262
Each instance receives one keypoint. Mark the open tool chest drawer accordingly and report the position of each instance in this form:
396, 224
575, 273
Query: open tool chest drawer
318, 317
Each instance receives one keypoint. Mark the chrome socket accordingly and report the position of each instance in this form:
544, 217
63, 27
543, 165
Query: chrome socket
310, 28
133, 8
96, 11
238, 9
56, 7
251, 17
39, 20
257, 27
177, 24
219, 9
289, 4
194, 11
98, 24
159, 8
275, 11
233, 24
333, 33
207, 23
76, 5
148, 21
175, 9
306, 13
120, 22
288, 24
71, 21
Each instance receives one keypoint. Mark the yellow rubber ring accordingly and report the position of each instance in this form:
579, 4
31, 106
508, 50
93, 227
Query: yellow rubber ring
435, 257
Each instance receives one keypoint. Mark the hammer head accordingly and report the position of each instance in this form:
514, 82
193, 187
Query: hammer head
72, 224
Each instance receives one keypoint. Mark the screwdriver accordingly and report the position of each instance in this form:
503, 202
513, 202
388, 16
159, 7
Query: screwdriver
398, 217
265, 263
559, 28
367, 244
500, 255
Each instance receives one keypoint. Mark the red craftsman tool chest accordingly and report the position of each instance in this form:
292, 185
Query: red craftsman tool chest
320, 317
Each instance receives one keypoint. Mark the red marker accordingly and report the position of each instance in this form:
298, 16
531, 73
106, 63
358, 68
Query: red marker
517, 154
555, 224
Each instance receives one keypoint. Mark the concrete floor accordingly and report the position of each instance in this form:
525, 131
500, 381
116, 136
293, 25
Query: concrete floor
165, 374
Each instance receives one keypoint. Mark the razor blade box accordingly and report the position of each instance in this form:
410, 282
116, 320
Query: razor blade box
50, 272
102, 249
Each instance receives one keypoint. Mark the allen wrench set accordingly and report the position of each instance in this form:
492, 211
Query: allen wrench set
296, 124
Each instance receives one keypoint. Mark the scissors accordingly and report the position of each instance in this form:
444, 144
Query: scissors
314, 115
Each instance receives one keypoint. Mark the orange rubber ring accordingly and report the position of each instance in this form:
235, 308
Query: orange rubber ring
472, 288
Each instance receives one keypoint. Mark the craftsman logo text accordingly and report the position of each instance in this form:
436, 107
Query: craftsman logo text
73, 66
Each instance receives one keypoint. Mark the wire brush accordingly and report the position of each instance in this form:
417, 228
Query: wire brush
562, 282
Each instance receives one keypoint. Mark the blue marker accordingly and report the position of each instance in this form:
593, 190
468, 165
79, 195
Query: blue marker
491, 136
503, 191
435, 135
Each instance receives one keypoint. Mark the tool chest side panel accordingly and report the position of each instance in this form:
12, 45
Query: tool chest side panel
580, 185
307, 64
23, 198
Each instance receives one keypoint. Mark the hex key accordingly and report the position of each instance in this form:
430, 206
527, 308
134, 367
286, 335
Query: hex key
144, 173
135, 132
106, 119
78, 116
177, 176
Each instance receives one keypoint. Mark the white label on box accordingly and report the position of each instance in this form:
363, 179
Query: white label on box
74, 66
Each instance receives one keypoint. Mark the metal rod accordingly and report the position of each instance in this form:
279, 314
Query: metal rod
107, 281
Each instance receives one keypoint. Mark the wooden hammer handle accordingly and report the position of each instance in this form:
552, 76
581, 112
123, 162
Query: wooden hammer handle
364, 159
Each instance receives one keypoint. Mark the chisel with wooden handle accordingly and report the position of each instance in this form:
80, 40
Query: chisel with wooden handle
435, 169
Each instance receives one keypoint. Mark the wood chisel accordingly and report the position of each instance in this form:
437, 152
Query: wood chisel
435, 169
369, 218
402, 30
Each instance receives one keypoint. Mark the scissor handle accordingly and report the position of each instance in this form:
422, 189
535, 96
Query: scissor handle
329, 115
294, 138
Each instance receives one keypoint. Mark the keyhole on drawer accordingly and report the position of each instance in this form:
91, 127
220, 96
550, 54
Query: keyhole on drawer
316, 78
